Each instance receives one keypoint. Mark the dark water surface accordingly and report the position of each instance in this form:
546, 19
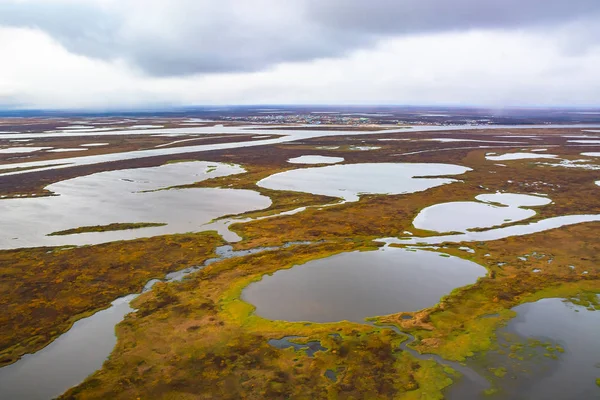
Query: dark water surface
544, 374
353, 286
310, 347
82, 350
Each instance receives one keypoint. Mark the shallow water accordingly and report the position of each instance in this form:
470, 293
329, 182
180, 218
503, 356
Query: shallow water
514, 199
578, 164
518, 156
94, 144
18, 150
275, 129
66, 361
472, 381
287, 135
310, 347
451, 140
584, 141
124, 196
497, 233
315, 160
571, 376
460, 216
82, 350
331, 375
66, 150
364, 148
354, 286
349, 181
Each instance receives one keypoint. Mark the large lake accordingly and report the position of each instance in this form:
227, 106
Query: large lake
125, 196
354, 286
349, 181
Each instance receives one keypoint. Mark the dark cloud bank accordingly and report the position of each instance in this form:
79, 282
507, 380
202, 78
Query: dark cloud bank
182, 37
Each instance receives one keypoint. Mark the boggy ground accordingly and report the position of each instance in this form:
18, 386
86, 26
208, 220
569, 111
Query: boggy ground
204, 364
43, 291
561, 262
209, 332
198, 340
573, 191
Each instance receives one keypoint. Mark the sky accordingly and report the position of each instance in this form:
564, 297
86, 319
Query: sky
115, 54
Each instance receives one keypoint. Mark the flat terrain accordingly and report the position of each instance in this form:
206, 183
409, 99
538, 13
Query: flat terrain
197, 339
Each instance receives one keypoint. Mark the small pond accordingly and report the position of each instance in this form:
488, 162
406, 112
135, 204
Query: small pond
310, 347
315, 160
354, 286
460, 216
517, 156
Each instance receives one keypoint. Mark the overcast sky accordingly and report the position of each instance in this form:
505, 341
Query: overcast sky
148, 53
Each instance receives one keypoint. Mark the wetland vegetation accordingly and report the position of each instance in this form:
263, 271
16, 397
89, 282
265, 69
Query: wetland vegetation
204, 338
223, 350
45, 290
117, 226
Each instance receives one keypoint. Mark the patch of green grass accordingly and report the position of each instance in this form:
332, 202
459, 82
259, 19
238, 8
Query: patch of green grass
589, 300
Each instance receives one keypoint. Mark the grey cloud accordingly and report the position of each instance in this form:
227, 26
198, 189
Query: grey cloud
417, 16
81, 28
183, 37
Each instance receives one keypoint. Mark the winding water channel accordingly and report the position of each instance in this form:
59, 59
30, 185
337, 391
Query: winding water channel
287, 135
476, 383
82, 350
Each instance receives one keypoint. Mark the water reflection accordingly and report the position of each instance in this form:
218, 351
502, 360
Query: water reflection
124, 196
315, 160
351, 180
356, 285
549, 351
79, 352
460, 216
